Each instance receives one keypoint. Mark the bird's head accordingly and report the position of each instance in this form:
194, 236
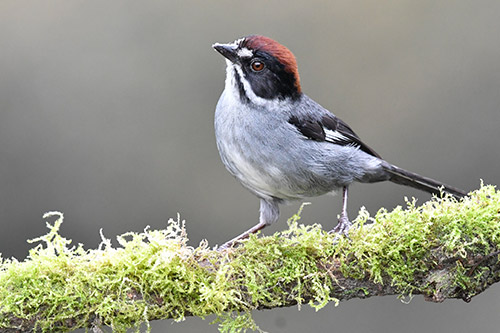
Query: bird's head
260, 70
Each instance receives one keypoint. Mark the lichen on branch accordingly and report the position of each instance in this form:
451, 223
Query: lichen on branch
441, 249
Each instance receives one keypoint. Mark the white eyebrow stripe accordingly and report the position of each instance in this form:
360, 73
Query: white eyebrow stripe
237, 42
245, 53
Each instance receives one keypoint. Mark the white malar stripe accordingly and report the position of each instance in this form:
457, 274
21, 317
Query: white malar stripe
334, 135
271, 104
248, 89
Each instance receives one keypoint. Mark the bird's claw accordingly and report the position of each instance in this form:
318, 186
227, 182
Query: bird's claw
342, 228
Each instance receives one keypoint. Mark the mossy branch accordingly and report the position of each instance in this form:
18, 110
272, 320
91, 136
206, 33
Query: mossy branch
442, 249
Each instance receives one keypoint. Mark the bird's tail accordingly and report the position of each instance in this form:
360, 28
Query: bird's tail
404, 177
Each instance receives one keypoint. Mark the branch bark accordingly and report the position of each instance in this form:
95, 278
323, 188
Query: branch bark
443, 249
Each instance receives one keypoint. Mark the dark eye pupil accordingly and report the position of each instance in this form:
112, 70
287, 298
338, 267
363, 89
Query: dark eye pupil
257, 66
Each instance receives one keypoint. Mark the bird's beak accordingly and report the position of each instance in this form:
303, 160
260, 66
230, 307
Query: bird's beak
227, 50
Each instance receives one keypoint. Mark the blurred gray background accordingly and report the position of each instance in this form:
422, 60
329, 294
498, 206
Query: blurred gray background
106, 114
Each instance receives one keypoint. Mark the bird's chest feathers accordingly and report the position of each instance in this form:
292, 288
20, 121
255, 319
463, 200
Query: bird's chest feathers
248, 149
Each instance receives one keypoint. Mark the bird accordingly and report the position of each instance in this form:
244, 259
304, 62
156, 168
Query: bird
282, 145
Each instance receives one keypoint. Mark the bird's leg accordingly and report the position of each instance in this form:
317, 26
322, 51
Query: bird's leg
344, 223
244, 235
269, 213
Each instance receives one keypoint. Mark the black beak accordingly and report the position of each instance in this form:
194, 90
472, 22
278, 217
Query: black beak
227, 50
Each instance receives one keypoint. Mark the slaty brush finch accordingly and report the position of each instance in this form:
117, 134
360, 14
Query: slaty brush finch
282, 145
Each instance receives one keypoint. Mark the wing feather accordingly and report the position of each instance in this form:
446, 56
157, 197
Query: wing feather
330, 129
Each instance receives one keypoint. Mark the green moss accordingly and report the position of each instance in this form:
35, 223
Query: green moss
406, 243
155, 274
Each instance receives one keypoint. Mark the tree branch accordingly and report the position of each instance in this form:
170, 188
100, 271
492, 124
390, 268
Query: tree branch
442, 249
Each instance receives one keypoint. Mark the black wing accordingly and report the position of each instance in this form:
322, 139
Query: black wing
330, 129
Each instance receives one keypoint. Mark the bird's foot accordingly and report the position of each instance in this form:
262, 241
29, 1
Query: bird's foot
342, 228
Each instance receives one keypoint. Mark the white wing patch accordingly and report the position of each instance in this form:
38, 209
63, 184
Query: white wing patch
335, 136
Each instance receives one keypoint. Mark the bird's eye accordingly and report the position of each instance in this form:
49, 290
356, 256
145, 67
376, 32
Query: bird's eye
257, 66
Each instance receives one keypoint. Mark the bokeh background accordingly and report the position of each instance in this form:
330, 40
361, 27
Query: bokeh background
106, 114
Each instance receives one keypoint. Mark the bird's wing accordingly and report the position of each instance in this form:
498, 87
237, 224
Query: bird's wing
329, 129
